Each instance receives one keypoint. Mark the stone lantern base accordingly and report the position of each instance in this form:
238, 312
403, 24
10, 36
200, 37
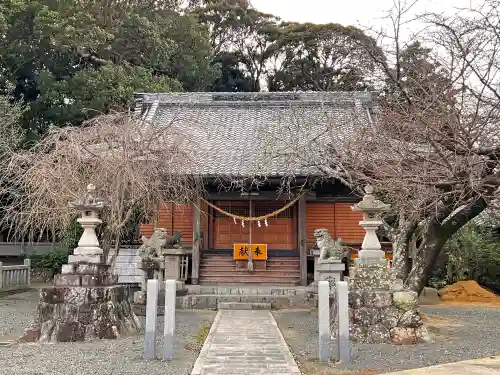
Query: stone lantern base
380, 310
83, 304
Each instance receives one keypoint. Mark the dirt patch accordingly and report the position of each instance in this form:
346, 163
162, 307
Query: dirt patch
468, 291
440, 327
439, 321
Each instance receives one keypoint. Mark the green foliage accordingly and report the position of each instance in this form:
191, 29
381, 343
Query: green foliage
91, 92
472, 253
237, 30
70, 60
51, 262
11, 133
321, 58
71, 236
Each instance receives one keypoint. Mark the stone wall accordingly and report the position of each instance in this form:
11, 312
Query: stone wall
385, 316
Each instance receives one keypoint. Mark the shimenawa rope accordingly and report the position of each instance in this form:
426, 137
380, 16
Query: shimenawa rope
258, 218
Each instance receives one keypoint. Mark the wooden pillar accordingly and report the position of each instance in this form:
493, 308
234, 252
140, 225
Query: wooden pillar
302, 240
195, 255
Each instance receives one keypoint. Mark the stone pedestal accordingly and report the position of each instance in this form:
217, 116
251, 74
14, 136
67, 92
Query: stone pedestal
372, 276
166, 268
82, 313
315, 253
371, 249
380, 310
172, 263
385, 316
330, 270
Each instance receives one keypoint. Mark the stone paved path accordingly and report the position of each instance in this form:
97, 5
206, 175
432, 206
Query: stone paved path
245, 342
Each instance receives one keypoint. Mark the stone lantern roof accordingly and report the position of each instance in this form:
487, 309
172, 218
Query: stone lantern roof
370, 204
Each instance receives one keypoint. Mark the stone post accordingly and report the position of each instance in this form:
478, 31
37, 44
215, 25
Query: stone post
371, 250
343, 321
27, 262
324, 320
151, 313
169, 320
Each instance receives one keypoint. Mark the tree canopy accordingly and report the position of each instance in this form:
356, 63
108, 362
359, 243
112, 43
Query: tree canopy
70, 60
435, 134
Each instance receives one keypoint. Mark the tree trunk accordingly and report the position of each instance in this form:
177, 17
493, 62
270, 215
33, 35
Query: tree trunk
400, 257
434, 236
433, 240
400, 247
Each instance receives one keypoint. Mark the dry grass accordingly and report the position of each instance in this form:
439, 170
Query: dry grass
316, 368
134, 165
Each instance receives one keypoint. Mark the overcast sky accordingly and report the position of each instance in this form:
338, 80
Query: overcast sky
347, 12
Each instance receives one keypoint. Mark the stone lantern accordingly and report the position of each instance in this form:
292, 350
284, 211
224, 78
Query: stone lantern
371, 250
380, 309
85, 301
88, 249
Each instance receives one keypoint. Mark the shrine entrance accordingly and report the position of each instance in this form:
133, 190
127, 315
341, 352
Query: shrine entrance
280, 233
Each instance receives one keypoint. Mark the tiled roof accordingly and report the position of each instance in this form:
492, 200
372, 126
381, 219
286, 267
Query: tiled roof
247, 134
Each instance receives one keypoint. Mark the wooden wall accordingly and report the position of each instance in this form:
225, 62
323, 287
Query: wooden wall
173, 217
338, 218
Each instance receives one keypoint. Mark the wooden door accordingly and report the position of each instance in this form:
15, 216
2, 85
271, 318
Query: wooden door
281, 230
226, 232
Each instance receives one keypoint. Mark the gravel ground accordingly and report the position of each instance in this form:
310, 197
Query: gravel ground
102, 357
459, 334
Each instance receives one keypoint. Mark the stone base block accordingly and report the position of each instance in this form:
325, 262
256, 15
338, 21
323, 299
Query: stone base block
94, 259
212, 301
385, 317
68, 269
91, 251
243, 306
74, 280
374, 276
82, 313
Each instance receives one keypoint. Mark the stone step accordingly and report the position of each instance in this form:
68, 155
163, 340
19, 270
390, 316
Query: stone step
271, 275
232, 267
222, 258
283, 284
212, 301
255, 282
249, 290
257, 264
213, 263
230, 259
243, 306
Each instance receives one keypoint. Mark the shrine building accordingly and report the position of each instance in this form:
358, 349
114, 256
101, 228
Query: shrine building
269, 137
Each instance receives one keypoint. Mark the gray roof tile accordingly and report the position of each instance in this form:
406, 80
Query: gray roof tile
247, 134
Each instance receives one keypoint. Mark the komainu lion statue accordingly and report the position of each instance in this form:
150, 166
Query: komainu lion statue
151, 248
328, 248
